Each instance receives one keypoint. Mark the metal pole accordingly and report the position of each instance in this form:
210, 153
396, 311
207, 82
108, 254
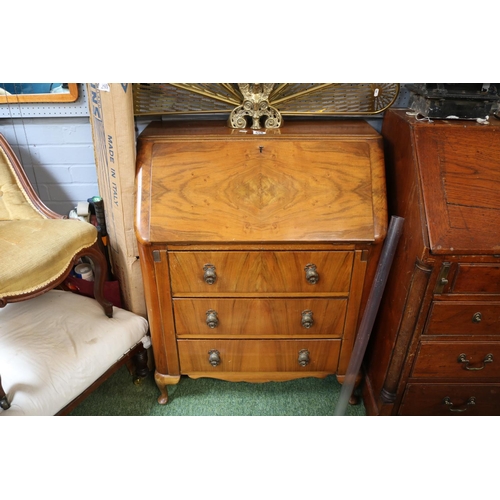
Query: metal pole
370, 313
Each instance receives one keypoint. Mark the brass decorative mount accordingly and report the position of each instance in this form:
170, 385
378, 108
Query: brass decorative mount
255, 106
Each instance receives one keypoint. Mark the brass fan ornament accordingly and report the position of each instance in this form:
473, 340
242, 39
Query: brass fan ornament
263, 105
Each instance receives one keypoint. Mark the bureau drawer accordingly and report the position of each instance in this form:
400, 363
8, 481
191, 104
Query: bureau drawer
451, 399
259, 317
466, 360
260, 272
258, 355
464, 318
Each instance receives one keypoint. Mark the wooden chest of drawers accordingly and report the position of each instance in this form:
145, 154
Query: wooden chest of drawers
435, 349
257, 249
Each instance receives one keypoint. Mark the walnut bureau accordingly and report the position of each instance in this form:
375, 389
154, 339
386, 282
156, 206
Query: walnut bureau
435, 348
257, 247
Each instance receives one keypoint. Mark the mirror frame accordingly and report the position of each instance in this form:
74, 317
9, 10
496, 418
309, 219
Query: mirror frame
71, 96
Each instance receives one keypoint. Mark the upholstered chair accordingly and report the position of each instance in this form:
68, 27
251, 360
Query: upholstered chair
38, 247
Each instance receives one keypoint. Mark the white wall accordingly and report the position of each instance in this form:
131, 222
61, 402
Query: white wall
58, 157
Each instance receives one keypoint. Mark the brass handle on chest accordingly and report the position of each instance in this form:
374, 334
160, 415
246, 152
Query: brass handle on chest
470, 402
477, 317
307, 318
212, 318
463, 359
209, 275
312, 275
214, 357
303, 358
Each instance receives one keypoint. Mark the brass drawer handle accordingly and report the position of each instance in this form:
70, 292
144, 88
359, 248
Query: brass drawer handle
307, 318
477, 317
470, 402
303, 358
212, 318
214, 357
312, 275
463, 359
209, 275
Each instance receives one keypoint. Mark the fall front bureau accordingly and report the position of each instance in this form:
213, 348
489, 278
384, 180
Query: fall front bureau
436, 343
257, 249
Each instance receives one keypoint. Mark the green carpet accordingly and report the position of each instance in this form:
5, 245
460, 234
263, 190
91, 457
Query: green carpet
211, 397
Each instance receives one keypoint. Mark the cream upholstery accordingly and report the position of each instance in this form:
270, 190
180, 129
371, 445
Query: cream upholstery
54, 346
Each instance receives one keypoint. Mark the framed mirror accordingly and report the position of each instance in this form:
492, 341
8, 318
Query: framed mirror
38, 92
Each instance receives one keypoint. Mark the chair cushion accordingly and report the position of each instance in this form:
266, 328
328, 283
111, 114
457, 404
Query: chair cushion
54, 346
37, 252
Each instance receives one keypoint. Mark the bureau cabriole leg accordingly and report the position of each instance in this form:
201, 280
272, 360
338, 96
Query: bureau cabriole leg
162, 381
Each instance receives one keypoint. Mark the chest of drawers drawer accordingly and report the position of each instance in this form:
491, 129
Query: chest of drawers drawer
461, 360
464, 318
440, 399
477, 278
